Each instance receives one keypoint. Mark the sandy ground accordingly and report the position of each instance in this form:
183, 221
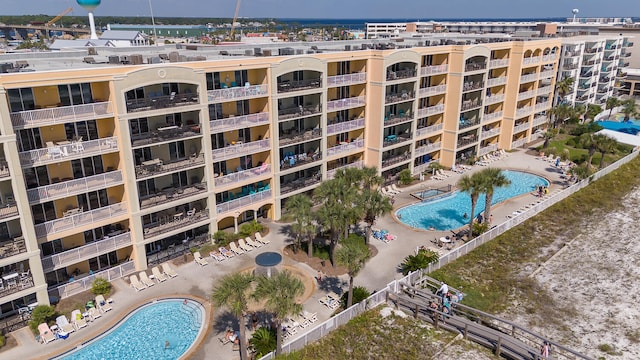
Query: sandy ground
594, 285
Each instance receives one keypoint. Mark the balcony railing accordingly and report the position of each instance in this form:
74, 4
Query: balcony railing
528, 78
432, 90
547, 74
395, 160
162, 102
472, 85
526, 94
288, 86
425, 149
417, 169
394, 98
498, 63
237, 93
12, 247
401, 74
250, 199
487, 149
70, 151
239, 122
475, 66
345, 126
467, 140
237, 150
74, 187
4, 169
296, 160
492, 116
332, 173
168, 134
348, 79
545, 90
549, 57
309, 135
158, 166
428, 130
470, 104
60, 115
531, 60
431, 110
518, 143
244, 175
543, 106
173, 223
85, 283
300, 111
300, 184
8, 210
396, 139
172, 194
348, 103
85, 252
81, 219
493, 99
464, 123
348, 147
523, 111
393, 119
539, 120
434, 69
489, 133
22, 284
521, 127
497, 81
569, 66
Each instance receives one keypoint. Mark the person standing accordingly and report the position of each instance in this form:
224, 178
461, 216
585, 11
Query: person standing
545, 350
442, 292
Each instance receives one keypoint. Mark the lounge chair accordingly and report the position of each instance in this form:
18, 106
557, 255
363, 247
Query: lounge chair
226, 252
395, 188
94, 313
217, 255
168, 270
102, 304
77, 319
64, 325
235, 249
250, 242
136, 284
158, 274
46, 335
242, 245
311, 317
145, 279
259, 238
329, 302
199, 260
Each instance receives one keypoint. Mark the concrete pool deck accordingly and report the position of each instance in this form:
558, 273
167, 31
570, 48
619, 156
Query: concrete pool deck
199, 280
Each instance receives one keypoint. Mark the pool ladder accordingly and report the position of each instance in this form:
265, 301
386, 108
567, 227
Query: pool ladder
194, 314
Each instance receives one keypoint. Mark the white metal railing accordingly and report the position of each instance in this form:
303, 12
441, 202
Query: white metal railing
547, 74
497, 81
85, 252
243, 175
422, 167
432, 90
428, 130
243, 201
60, 115
545, 90
4, 169
424, 149
74, 187
231, 151
488, 100
492, 116
239, 122
543, 106
80, 285
538, 120
332, 173
489, 133
528, 78
434, 69
71, 151
84, 218
526, 94
431, 110
358, 144
498, 63
236, 93
523, 111
487, 149
521, 127
8, 210
345, 126
531, 60
346, 103
518, 143
549, 57
339, 80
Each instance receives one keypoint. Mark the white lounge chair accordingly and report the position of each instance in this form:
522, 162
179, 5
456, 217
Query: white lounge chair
102, 304
64, 325
78, 320
168, 270
94, 313
226, 252
250, 241
46, 335
235, 249
242, 245
259, 238
395, 188
198, 259
136, 284
390, 191
217, 255
145, 279
158, 274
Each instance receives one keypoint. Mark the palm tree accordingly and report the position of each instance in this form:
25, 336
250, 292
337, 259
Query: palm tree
421, 260
587, 141
352, 254
493, 178
473, 185
231, 292
561, 112
612, 102
548, 135
374, 204
300, 206
629, 108
331, 217
280, 292
604, 144
592, 111
564, 87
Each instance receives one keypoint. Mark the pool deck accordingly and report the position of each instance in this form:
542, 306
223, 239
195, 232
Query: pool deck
198, 281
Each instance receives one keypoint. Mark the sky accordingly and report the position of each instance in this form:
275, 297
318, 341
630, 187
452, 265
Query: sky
338, 9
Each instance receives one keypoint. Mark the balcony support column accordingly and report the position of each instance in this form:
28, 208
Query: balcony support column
235, 221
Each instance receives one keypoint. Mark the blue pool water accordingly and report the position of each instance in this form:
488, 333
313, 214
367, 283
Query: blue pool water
143, 333
447, 213
629, 127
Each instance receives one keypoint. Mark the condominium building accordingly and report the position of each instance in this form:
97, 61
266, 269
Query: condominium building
110, 168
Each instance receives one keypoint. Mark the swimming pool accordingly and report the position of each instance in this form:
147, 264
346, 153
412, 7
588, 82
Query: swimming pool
143, 333
447, 212
629, 127
429, 194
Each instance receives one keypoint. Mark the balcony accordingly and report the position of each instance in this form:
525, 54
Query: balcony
539, 120
4, 169
300, 184
162, 102
296, 160
487, 149
174, 222
345, 147
86, 252
158, 166
464, 123
417, 169
289, 86
74, 187
332, 173
528, 78
545, 90
390, 140
244, 175
8, 210
84, 283
431, 110
239, 122
393, 119
495, 63
571, 53
237, 93
393, 160
526, 94
547, 74
401, 74
65, 151
497, 81
531, 60
467, 140
590, 62
492, 116
475, 66
472, 85
428, 130
166, 133
300, 111
80, 219
12, 247
396, 98
432, 90
518, 143
348, 103
425, 149
61, 115
603, 90
493, 99
434, 69
520, 128
627, 44
489, 133
348, 79
172, 194
524, 111
543, 106
20, 284
298, 138
250, 199
549, 57
569, 66
233, 151
345, 126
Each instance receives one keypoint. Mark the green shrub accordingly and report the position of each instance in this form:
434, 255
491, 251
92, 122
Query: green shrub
478, 228
250, 228
206, 248
562, 131
263, 341
405, 177
41, 314
321, 251
100, 286
571, 142
3, 341
359, 293
219, 236
421, 260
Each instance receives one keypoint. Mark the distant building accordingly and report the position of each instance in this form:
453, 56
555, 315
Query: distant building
123, 38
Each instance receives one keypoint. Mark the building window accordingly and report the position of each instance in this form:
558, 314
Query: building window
75, 94
87, 167
87, 130
36, 177
176, 150
21, 99
43, 212
29, 139
52, 247
93, 200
